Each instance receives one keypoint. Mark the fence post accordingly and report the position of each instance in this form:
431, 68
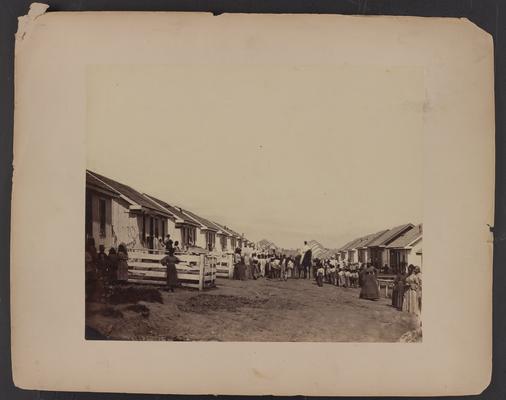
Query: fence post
201, 272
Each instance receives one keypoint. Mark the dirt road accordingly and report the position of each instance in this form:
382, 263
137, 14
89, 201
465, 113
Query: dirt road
261, 310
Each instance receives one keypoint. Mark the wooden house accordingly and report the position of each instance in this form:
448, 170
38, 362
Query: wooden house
135, 220
406, 249
363, 251
226, 238
98, 215
344, 255
184, 229
206, 231
236, 241
378, 248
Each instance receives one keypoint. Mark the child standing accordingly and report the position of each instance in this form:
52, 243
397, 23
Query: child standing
320, 272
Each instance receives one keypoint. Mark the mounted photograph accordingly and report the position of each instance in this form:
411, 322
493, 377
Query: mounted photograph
258, 203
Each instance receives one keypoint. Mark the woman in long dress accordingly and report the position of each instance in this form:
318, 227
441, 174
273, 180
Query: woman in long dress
370, 290
418, 273
122, 263
170, 261
411, 288
398, 291
239, 267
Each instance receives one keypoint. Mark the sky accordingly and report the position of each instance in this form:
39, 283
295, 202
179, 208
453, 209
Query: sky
283, 152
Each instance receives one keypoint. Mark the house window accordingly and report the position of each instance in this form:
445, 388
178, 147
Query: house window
157, 228
143, 227
210, 240
223, 240
193, 236
163, 228
188, 236
101, 216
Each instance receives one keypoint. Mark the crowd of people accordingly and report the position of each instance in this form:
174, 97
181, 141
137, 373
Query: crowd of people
407, 290
104, 270
407, 287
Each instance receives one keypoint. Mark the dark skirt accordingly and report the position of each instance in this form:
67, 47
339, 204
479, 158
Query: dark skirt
397, 296
240, 271
172, 280
370, 290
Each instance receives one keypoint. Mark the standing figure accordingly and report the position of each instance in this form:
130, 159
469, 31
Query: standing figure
112, 265
411, 288
170, 261
262, 261
306, 256
239, 267
370, 289
418, 273
246, 257
122, 263
291, 268
168, 244
398, 290
297, 267
282, 268
320, 272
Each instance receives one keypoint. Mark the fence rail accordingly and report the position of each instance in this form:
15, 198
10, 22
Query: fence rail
225, 266
193, 271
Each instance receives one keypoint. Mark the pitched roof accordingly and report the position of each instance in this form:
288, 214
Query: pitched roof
407, 237
129, 194
351, 245
204, 223
370, 238
173, 210
96, 184
238, 235
390, 235
226, 229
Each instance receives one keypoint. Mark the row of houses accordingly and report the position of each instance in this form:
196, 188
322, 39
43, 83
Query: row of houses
396, 247
117, 213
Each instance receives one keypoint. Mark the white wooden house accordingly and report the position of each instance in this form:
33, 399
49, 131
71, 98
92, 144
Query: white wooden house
226, 238
206, 231
136, 221
364, 254
407, 249
378, 248
184, 229
98, 215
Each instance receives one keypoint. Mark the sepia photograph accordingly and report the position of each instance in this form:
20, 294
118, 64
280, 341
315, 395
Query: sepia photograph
259, 203
223, 196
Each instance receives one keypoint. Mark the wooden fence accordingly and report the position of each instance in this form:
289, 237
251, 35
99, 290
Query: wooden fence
194, 271
386, 285
225, 266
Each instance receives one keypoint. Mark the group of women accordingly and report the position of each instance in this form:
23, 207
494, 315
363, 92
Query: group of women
104, 269
407, 291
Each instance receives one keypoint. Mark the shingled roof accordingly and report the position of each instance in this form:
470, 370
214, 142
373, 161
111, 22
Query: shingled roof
96, 184
128, 193
202, 221
174, 211
407, 238
227, 230
390, 235
367, 240
350, 245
